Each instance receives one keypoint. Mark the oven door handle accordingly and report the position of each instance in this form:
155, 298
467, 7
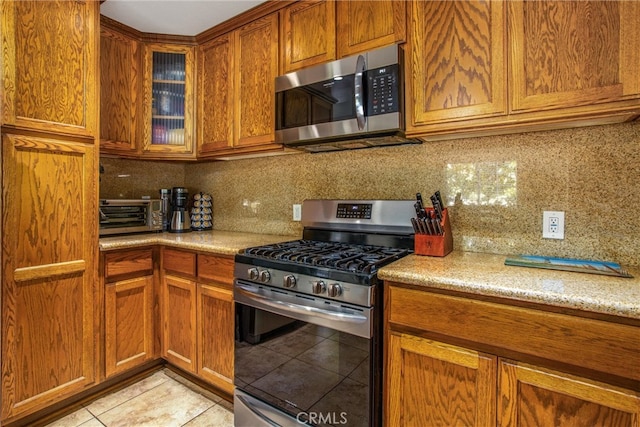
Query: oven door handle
297, 308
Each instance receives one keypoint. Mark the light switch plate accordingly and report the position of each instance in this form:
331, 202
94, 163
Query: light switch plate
297, 212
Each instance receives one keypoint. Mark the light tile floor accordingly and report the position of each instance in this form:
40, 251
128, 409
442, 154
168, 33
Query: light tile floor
164, 399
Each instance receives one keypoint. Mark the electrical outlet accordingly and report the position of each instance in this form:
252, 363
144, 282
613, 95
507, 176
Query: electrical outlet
553, 224
297, 212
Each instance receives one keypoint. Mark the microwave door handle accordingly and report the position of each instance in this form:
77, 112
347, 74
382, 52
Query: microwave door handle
359, 92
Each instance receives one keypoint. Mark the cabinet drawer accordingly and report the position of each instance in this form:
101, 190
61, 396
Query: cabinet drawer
179, 261
215, 268
603, 346
138, 262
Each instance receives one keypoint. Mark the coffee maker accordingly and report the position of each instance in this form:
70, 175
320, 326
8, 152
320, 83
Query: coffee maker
180, 221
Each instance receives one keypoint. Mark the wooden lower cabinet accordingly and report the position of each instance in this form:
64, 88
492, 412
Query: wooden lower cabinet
435, 384
534, 396
179, 314
129, 325
198, 315
437, 376
49, 271
215, 336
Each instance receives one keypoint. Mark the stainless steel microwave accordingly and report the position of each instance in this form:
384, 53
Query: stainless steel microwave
354, 102
120, 216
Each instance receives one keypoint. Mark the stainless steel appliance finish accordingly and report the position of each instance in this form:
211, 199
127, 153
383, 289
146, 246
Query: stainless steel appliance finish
123, 216
354, 102
321, 361
180, 218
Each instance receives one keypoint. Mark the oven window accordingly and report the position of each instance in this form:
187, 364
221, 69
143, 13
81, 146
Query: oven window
327, 101
316, 374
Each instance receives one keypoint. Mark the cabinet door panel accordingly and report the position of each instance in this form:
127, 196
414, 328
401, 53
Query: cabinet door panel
50, 56
168, 101
257, 68
179, 318
430, 383
217, 85
457, 68
215, 336
572, 53
533, 396
370, 24
128, 324
119, 89
309, 34
49, 246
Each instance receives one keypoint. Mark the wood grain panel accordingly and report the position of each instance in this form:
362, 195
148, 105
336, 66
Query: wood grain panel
120, 263
216, 268
49, 271
217, 88
572, 53
178, 261
119, 88
308, 34
216, 336
129, 327
367, 25
179, 319
431, 383
257, 67
578, 341
457, 60
531, 396
50, 64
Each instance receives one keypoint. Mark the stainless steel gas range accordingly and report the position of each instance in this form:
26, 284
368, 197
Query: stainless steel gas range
309, 316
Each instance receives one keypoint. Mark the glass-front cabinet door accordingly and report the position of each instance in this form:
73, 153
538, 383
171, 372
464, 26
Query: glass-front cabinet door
169, 105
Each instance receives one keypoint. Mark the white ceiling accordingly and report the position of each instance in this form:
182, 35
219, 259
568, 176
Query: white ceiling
177, 17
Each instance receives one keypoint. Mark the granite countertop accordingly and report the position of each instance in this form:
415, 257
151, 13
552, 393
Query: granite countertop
217, 242
473, 273
486, 274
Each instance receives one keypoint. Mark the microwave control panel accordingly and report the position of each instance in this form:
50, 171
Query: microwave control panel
383, 94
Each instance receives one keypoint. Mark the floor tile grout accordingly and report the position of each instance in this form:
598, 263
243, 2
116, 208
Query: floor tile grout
194, 407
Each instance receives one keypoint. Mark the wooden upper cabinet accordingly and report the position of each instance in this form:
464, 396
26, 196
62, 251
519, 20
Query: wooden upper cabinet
367, 25
168, 88
308, 34
573, 53
49, 64
216, 89
256, 67
456, 67
119, 92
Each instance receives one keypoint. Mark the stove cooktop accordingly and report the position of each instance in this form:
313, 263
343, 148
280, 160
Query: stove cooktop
364, 259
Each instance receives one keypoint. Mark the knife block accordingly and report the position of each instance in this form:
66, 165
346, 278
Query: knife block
425, 244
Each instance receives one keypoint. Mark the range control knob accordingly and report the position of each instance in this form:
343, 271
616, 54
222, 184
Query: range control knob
335, 290
318, 287
289, 281
253, 273
265, 276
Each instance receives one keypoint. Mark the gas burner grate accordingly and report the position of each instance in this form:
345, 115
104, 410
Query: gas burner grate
339, 256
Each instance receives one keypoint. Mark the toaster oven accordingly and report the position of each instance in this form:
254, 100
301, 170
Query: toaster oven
119, 216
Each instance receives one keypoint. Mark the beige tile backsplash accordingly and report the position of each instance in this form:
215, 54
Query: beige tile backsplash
496, 188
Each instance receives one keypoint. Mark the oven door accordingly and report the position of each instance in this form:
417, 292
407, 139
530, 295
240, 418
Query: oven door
320, 367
